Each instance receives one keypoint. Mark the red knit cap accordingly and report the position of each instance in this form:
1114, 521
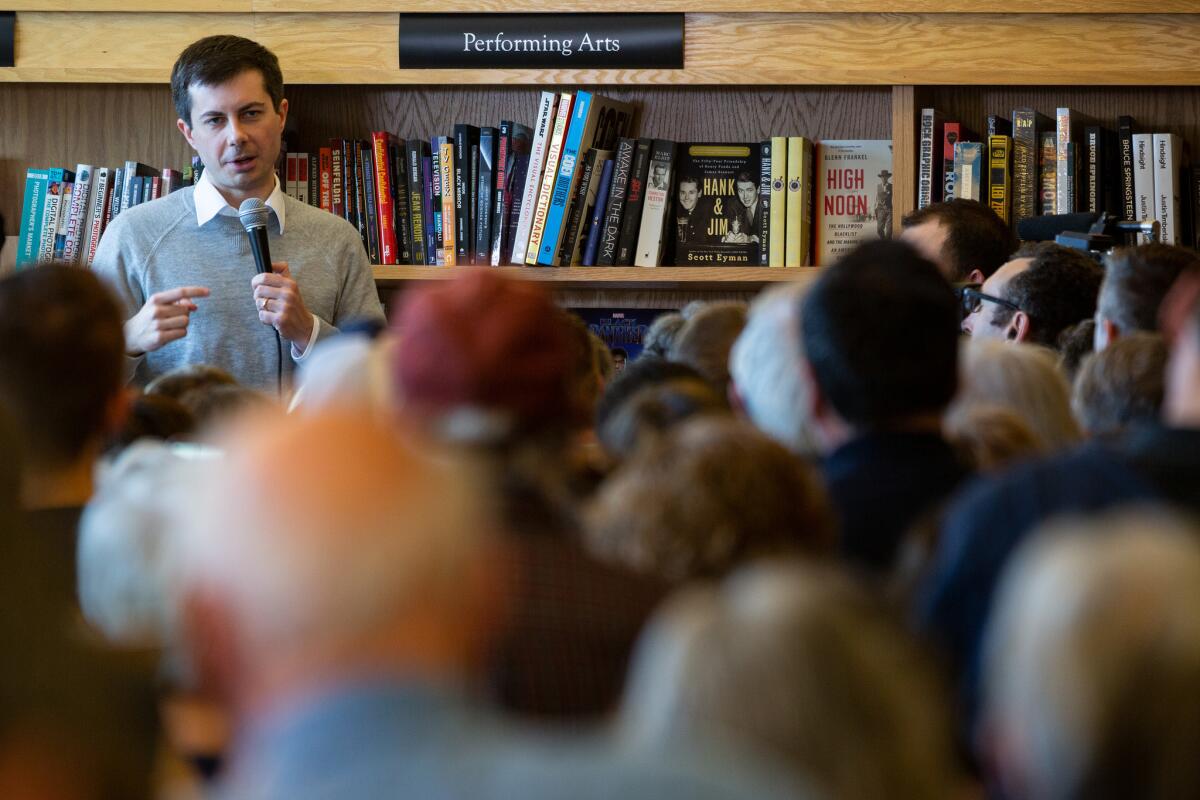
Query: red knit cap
483, 341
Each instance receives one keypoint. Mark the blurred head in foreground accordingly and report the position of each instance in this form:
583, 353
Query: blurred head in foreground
796, 662
328, 546
713, 493
1093, 662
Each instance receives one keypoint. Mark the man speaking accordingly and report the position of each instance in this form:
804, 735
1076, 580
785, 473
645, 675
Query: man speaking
182, 265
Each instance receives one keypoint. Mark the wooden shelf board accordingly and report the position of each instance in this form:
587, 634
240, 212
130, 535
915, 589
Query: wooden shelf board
721, 49
727, 278
587, 6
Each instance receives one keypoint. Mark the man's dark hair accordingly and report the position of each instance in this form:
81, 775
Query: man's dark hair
744, 177
62, 359
1058, 289
1121, 385
880, 330
977, 238
689, 179
1136, 280
214, 60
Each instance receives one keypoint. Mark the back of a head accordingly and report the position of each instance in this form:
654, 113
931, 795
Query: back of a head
766, 367
1121, 385
152, 416
798, 663
60, 366
656, 409
1093, 661
637, 375
372, 528
1136, 279
976, 237
711, 494
1074, 345
1058, 289
181, 380
660, 336
484, 355
990, 437
881, 332
707, 337
1028, 381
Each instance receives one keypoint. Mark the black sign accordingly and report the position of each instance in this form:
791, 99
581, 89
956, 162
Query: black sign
8, 24
541, 41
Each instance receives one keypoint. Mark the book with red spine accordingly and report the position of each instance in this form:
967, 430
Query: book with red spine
326, 168
384, 211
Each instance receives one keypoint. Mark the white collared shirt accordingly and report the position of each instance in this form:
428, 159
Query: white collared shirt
210, 203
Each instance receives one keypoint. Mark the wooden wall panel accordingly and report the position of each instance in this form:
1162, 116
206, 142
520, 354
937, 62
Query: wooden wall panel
721, 49
721, 114
63, 125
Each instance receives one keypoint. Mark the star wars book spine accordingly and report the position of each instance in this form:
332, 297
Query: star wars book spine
549, 176
542, 131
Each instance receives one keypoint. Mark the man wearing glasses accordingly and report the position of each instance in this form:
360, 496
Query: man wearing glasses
1035, 297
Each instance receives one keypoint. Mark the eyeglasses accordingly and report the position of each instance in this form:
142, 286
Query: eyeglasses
972, 300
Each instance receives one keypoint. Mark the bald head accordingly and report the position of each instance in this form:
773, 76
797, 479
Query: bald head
317, 534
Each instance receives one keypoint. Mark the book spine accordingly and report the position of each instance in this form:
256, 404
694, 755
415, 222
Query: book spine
383, 198
619, 189
575, 210
446, 164
290, 174
354, 187
998, 126
81, 197
101, 196
462, 201
766, 154
925, 167
553, 150
427, 210
1047, 172
313, 173
499, 218
597, 222
1143, 177
808, 189
370, 208
793, 257
131, 172
635, 198
32, 210
951, 134
1064, 198
1194, 205
302, 177
1166, 187
484, 186
60, 225
50, 212
542, 132
778, 208
326, 172
587, 206
560, 195
1024, 165
136, 196
114, 206
999, 151
654, 207
416, 199
1093, 152
1125, 142
968, 164
155, 188
336, 181
400, 215
437, 215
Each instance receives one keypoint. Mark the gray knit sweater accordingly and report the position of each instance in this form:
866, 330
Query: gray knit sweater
158, 246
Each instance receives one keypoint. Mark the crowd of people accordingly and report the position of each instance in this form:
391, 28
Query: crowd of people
824, 546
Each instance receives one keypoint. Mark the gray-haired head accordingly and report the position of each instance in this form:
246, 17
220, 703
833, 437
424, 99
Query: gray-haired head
1092, 661
766, 366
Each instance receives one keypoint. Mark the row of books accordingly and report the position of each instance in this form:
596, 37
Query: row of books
1030, 164
577, 189
65, 212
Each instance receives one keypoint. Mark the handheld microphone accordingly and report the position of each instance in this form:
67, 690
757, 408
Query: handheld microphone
254, 214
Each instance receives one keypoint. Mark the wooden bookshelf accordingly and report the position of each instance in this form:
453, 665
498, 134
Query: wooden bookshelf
90, 83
